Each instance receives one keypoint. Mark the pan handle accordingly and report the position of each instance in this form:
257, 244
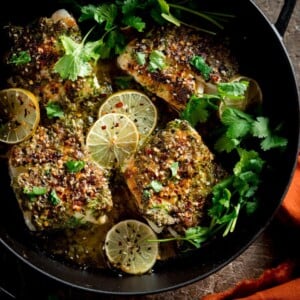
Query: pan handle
284, 16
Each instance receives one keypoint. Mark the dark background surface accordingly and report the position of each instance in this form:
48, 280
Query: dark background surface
276, 244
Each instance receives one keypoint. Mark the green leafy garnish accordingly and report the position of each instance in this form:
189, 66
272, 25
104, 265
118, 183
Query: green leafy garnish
157, 60
20, 58
199, 63
54, 110
233, 90
240, 126
35, 191
76, 60
198, 109
174, 168
156, 186
74, 166
229, 197
53, 198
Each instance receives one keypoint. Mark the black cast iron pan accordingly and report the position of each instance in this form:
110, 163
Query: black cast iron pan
263, 56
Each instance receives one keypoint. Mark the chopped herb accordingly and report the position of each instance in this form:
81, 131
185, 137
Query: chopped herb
20, 58
53, 198
174, 169
141, 58
54, 110
35, 191
156, 186
233, 90
239, 126
157, 60
199, 63
146, 194
198, 109
74, 166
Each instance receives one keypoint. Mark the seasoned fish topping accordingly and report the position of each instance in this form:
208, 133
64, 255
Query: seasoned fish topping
40, 41
175, 79
172, 176
51, 195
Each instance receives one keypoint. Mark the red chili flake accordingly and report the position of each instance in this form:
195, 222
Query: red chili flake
103, 127
148, 151
119, 104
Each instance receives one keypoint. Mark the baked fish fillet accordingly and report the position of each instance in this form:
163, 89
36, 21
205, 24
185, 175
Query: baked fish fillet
51, 191
172, 176
172, 48
56, 184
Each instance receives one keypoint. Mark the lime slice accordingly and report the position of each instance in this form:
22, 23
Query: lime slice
128, 248
253, 97
112, 139
19, 115
137, 106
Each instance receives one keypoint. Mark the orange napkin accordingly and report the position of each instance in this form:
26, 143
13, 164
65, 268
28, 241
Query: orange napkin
276, 283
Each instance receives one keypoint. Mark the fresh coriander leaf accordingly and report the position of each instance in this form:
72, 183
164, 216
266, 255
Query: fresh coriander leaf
174, 168
233, 90
35, 191
130, 6
71, 67
157, 60
156, 186
87, 12
106, 13
232, 115
115, 42
238, 129
260, 127
75, 61
273, 141
141, 58
135, 22
54, 110
91, 50
199, 63
224, 143
198, 109
74, 166
196, 235
53, 198
20, 58
250, 160
251, 206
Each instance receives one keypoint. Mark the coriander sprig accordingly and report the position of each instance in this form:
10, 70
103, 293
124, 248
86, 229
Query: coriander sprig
112, 19
229, 197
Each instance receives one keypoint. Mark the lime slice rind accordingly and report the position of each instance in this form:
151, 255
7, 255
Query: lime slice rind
137, 106
127, 247
112, 139
20, 115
